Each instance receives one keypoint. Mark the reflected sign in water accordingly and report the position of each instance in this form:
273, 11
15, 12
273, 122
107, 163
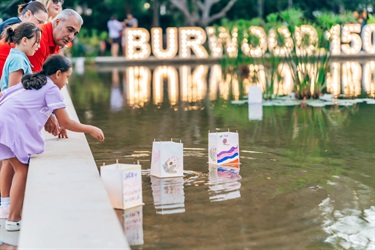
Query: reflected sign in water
351, 78
141, 85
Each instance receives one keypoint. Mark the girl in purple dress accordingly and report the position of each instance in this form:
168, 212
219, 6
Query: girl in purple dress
24, 109
26, 38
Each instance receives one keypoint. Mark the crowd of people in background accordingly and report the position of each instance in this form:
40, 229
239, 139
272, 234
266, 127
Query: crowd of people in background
32, 72
117, 33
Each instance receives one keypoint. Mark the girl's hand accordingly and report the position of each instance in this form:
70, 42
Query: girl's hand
97, 133
63, 133
52, 126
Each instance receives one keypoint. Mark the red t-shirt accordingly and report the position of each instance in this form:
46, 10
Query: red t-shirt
4, 52
47, 48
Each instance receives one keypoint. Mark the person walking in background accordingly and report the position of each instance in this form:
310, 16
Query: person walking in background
32, 11
129, 22
26, 38
114, 27
25, 109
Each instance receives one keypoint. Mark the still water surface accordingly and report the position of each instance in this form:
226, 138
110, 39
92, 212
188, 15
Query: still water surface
306, 179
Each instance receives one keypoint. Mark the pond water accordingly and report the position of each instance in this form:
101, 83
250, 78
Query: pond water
306, 178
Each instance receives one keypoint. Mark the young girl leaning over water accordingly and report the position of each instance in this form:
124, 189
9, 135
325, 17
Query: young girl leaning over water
25, 37
24, 109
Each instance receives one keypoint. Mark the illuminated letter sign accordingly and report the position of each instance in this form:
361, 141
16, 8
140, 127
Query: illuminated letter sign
186, 41
273, 43
223, 40
368, 38
350, 35
157, 43
306, 48
259, 50
137, 43
192, 38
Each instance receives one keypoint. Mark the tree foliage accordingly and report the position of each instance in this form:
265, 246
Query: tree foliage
191, 12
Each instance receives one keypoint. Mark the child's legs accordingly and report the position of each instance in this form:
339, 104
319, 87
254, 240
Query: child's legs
124, 50
114, 49
123, 43
17, 191
6, 177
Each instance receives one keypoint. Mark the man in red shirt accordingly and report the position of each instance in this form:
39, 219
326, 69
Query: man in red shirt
58, 33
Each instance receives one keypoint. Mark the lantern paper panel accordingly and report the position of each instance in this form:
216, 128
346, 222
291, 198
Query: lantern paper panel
167, 159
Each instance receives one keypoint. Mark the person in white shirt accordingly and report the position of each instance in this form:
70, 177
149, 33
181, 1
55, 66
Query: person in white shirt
115, 27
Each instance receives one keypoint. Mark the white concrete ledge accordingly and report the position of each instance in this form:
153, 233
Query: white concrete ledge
66, 205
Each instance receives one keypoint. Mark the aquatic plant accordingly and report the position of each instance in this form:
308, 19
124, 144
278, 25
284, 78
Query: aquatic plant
253, 69
309, 57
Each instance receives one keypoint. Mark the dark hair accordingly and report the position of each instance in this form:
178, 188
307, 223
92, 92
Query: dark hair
33, 6
53, 64
26, 29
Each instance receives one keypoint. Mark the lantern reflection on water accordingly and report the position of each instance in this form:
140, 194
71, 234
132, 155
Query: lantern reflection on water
168, 194
223, 183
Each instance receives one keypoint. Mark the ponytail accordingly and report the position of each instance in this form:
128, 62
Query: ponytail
34, 81
53, 64
8, 34
15, 34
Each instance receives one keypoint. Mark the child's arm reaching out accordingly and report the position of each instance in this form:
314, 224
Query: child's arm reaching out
67, 123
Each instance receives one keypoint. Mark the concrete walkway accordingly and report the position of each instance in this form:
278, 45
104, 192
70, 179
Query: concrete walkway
66, 205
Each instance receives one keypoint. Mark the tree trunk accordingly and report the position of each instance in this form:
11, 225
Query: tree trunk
200, 13
290, 4
127, 7
260, 8
155, 13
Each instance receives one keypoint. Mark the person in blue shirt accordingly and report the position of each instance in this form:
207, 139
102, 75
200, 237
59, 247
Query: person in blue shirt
26, 38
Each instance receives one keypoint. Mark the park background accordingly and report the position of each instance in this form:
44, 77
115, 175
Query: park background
202, 13
306, 178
